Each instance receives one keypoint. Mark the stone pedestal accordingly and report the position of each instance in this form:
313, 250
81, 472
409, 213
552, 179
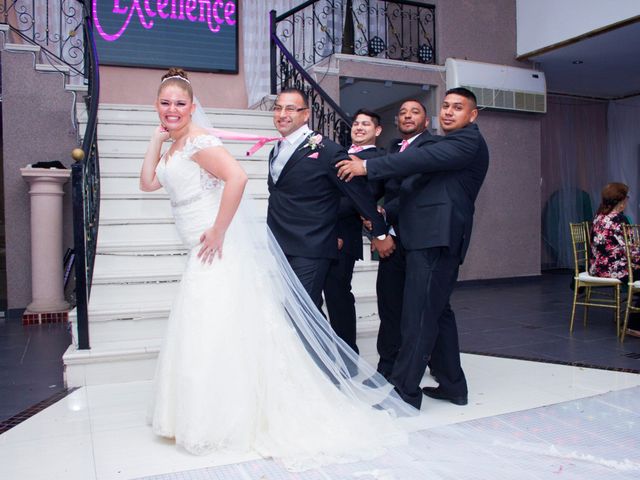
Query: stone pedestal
47, 283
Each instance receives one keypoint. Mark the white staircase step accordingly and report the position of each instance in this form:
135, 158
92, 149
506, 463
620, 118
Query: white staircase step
121, 208
121, 186
145, 130
21, 47
133, 267
118, 210
136, 147
124, 164
47, 67
144, 308
135, 360
225, 118
80, 89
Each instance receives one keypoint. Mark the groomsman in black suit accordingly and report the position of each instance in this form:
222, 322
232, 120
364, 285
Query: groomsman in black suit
412, 122
305, 192
437, 196
341, 304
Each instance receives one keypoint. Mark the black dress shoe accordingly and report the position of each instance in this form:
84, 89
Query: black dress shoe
435, 392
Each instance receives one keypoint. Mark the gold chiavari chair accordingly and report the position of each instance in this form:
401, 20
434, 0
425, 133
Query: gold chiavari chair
592, 295
632, 248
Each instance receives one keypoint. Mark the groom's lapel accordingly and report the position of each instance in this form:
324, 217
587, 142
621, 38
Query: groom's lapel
298, 154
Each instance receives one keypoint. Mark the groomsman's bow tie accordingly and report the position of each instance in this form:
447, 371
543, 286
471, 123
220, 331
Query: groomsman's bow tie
355, 149
404, 145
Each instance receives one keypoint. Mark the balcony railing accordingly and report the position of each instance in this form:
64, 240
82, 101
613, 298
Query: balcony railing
398, 30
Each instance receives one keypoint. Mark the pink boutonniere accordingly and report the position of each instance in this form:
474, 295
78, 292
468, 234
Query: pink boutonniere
315, 141
313, 155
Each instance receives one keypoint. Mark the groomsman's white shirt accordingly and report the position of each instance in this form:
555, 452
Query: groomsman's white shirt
288, 145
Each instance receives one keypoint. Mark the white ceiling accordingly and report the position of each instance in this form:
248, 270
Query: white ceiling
610, 65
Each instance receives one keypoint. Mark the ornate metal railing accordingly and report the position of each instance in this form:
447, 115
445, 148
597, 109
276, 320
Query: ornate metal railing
54, 25
399, 30
86, 188
326, 115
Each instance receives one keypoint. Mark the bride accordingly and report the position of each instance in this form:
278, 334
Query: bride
247, 362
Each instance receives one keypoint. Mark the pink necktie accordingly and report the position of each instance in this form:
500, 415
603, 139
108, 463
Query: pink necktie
404, 145
355, 149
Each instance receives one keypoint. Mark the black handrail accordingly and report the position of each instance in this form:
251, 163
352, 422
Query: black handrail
86, 188
326, 115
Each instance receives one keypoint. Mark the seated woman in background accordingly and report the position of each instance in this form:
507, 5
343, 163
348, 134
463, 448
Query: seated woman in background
609, 258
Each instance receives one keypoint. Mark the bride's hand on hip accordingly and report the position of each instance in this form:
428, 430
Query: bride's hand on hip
211, 241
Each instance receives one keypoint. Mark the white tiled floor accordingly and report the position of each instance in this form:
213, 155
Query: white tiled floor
99, 432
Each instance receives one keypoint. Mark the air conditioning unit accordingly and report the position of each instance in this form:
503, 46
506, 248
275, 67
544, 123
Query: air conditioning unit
499, 86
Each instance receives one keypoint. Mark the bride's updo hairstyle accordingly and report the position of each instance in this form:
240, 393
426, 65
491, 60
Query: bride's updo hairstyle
176, 77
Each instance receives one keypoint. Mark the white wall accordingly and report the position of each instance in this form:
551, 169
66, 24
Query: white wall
541, 23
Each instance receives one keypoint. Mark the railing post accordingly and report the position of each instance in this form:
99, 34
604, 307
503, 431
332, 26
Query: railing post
82, 299
272, 48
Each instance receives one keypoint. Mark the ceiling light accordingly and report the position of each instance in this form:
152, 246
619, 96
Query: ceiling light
364, 92
577, 62
388, 83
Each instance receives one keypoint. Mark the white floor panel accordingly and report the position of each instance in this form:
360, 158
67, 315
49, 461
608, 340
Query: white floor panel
102, 428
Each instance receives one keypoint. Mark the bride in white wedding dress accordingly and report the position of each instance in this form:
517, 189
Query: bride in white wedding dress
247, 363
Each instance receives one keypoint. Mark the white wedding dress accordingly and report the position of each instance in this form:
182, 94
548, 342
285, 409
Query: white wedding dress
233, 373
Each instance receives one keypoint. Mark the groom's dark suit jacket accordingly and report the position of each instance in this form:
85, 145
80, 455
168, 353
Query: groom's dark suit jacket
436, 199
304, 202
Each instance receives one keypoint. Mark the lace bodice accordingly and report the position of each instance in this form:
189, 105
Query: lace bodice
194, 192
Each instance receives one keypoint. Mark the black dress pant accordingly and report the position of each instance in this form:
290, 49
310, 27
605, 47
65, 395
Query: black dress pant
341, 304
390, 289
429, 332
312, 273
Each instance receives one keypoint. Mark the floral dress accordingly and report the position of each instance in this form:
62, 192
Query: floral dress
609, 258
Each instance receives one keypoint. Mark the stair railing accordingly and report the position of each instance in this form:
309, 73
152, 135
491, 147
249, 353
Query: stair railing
53, 25
326, 117
86, 188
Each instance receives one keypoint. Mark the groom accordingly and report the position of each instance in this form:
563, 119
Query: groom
305, 192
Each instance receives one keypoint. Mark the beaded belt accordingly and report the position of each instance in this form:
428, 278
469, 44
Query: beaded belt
188, 201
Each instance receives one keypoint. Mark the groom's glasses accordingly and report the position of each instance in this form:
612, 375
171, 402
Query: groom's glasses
287, 109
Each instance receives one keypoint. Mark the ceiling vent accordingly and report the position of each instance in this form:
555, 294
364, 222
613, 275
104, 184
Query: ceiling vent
498, 86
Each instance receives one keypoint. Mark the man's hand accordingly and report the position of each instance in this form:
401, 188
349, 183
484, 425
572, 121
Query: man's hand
340, 243
347, 169
384, 247
368, 224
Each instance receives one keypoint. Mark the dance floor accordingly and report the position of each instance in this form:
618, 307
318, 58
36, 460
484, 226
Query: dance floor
549, 418
526, 420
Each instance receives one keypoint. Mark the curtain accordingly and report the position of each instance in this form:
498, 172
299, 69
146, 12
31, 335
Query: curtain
573, 166
624, 149
255, 35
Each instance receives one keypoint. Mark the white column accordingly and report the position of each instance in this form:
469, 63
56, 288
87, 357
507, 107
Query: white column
47, 283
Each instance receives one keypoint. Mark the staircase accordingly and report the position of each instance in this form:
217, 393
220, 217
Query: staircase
140, 258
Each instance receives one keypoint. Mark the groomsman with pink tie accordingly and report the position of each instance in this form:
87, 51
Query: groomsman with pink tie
338, 296
412, 122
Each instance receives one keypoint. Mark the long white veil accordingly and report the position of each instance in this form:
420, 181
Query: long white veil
348, 371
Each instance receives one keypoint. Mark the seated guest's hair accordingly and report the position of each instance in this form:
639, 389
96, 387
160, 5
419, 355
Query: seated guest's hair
373, 115
612, 195
463, 92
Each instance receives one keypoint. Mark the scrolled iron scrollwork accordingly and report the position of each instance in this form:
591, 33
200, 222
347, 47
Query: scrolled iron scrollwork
399, 30
51, 24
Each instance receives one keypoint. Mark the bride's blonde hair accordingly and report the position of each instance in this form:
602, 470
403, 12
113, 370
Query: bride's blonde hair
176, 77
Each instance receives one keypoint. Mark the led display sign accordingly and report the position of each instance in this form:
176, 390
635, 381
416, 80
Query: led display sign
198, 35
